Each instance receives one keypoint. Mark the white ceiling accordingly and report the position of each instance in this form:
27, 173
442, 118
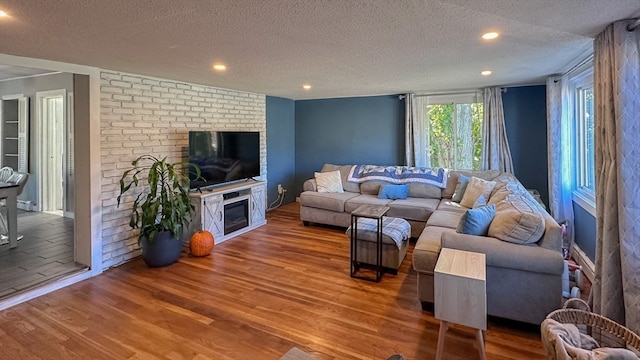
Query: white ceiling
340, 47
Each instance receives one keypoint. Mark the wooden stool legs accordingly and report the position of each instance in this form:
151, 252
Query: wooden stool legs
444, 326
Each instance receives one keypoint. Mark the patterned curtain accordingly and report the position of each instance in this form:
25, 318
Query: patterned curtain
416, 141
559, 132
616, 289
495, 146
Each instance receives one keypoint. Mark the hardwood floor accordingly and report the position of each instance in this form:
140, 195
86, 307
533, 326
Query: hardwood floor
255, 297
44, 254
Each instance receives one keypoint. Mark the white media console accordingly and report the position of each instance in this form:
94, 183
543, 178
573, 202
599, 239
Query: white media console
229, 210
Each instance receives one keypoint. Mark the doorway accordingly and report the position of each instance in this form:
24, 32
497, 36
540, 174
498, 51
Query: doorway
52, 169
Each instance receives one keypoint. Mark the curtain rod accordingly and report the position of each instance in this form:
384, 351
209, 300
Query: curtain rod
449, 93
575, 67
633, 25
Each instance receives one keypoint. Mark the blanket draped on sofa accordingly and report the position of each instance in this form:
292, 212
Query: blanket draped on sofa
399, 174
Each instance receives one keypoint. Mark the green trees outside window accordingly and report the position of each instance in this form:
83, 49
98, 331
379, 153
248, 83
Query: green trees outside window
455, 135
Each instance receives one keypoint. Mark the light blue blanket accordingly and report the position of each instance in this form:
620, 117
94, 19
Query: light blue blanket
399, 174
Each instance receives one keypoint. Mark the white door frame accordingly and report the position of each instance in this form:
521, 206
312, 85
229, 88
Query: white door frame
39, 136
88, 191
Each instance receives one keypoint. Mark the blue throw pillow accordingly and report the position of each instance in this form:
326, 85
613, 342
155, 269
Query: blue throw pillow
393, 192
480, 202
476, 221
463, 181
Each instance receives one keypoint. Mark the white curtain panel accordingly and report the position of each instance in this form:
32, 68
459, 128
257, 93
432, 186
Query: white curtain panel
616, 289
495, 146
416, 138
409, 131
559, 132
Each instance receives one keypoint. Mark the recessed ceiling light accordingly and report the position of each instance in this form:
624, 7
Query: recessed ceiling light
486, 73
219, 67
490, 35
3, 14
306, 86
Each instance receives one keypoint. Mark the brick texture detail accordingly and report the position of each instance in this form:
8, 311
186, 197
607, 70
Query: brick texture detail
141, 115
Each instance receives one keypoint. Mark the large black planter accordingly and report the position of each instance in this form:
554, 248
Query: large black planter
165, 250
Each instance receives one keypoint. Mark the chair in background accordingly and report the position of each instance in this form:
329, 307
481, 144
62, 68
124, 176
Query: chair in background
5, 173
16, 178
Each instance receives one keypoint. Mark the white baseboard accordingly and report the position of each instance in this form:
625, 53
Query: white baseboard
588, 267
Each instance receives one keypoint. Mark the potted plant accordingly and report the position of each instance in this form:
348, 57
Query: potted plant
162, 210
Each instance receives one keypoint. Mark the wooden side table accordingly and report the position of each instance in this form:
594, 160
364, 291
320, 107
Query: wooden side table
460, 294
371, 212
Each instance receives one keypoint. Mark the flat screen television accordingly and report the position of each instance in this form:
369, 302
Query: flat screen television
223, 156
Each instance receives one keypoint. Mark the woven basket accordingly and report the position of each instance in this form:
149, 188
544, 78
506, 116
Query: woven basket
607, 332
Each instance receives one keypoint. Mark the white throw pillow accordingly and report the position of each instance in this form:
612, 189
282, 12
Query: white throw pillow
475, 189
329, 182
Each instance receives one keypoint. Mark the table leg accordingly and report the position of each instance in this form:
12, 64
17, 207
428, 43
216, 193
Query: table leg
379, 251
481, 351
12, 218
444, 326
354, 231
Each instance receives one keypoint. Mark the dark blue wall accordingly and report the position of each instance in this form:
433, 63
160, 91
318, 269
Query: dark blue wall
525, 117
585, 231
281, 147
361, 130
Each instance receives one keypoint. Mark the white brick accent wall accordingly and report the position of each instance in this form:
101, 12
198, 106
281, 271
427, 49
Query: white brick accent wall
142, 115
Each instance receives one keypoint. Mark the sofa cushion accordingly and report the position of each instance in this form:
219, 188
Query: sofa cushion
502, 190
426, 191
501, 254
413, 208
517, 220
393, 192
477, 187
344, 175
452, 181
450, 205
372, 187
326, 201
443, 218
427, 249
355, 202
476, 221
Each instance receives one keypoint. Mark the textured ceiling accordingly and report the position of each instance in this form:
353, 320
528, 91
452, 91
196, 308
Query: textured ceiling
340, 47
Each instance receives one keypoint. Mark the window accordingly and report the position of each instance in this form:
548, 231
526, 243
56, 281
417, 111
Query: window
583, 149
454, 127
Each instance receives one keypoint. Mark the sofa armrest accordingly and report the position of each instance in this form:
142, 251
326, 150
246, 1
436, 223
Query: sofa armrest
503, 254
309, 185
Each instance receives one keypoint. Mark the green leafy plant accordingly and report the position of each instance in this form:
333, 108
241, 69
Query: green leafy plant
164, 204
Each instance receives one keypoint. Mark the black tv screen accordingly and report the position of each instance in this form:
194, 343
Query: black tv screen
223, 156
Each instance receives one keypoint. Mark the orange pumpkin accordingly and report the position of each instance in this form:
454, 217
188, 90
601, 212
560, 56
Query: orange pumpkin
201, 243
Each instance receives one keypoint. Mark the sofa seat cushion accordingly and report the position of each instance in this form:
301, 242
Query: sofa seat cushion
517, 220
427, 249
355, 202
443, 218
416, 209
327, 201
531, 258
450, 205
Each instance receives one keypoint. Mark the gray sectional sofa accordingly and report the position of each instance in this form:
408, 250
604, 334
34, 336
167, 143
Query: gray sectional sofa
524, 261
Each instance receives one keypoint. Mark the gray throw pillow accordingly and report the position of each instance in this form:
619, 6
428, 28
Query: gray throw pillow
463, 181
